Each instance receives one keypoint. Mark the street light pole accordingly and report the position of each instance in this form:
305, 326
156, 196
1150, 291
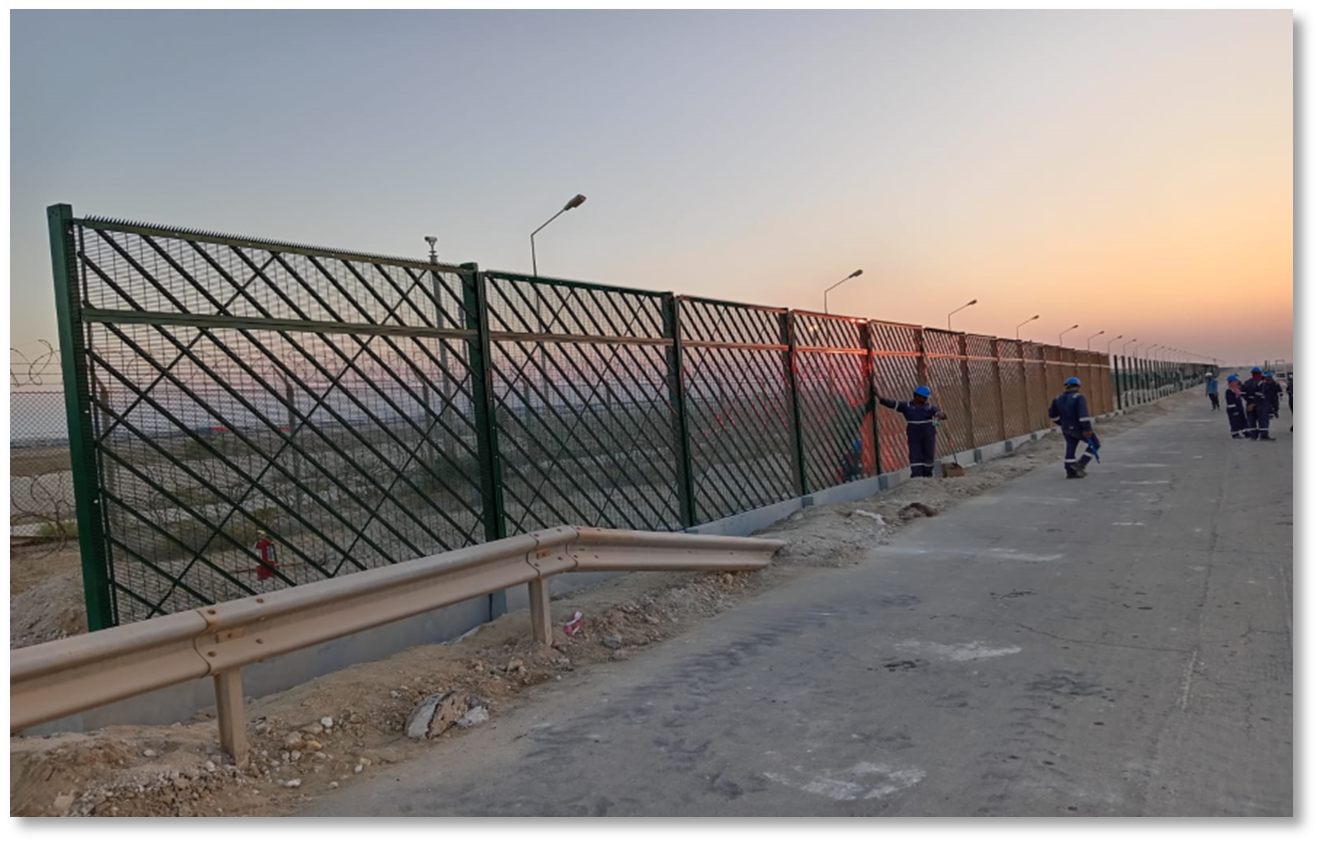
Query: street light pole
1066, 331
578, 200
1089, 340
825, 296
1024, 323
949, 318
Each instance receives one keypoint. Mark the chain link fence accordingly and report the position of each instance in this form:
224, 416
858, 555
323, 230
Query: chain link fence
41, 501
254, 414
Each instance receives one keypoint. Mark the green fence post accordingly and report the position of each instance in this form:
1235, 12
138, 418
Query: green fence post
871, 396
481, 367
791, 377
78, 408
673, 330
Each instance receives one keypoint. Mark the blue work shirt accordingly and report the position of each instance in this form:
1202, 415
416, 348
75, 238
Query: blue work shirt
1213, 386
1069, 411
915, 414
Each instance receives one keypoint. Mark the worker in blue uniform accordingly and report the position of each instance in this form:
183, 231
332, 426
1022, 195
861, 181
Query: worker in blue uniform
1213, 391
1069, 412
1273, 391
1258, 406
1238, 417
921, 416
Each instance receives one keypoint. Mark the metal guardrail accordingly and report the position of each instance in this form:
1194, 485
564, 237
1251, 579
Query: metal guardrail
64, 677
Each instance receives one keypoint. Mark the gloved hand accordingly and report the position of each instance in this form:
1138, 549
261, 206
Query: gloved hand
1088, 435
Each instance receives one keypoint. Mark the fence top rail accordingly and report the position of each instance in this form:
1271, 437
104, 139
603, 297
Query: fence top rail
552, 281
107, 224
706, 300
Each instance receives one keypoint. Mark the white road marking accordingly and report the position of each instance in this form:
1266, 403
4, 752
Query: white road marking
958, 652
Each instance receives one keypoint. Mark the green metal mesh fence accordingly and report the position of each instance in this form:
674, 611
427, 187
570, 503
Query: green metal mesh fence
254, 414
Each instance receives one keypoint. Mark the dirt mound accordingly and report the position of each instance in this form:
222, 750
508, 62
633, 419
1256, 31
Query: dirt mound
51, 610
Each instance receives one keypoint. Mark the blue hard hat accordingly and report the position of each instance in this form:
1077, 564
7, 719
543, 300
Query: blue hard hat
1256, 369
1071, 380
1270, 375
857, 445
1234, 377
923, 391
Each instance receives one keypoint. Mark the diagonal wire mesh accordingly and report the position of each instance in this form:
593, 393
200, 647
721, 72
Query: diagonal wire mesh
1038, 393
1013, 382
831, 364
584, 418
984, 381
249, 400
944, 363
895, 372
740, 409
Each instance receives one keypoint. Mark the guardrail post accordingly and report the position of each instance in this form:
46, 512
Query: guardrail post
538, 597
481, 368
791, 377
229, 715
673, 329
78, 410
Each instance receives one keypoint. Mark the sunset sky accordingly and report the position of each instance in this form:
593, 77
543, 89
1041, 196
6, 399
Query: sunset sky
1128, 171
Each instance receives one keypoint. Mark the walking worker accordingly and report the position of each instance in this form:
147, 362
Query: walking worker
1258, 406
921, 416
1213, 391
1238, 418
1273, 391
1069, 412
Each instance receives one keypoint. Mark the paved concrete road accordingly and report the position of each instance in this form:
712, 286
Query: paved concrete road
1120, 645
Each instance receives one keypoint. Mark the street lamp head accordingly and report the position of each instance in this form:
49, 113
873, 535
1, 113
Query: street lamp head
578, 200
855, 274
430, 239
973, 302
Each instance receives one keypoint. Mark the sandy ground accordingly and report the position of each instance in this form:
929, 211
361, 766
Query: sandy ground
179, 770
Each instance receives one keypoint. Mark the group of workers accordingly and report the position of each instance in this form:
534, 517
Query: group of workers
1251, 404
1068, 411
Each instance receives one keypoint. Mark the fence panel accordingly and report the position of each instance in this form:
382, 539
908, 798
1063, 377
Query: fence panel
895, 372
1013, 381
251, 398
831, 363
740, 410
984, 380
1039, 393
584, 421
945, 377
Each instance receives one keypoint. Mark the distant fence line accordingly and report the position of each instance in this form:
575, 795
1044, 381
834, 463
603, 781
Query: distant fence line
251, 414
